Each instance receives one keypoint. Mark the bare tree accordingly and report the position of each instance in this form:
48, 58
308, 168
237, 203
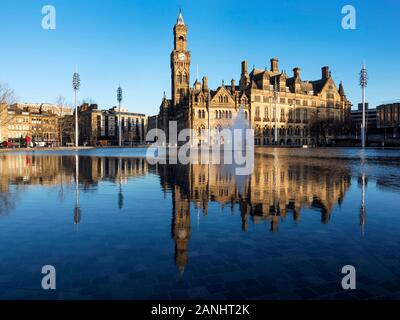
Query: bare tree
63, 126
7, 97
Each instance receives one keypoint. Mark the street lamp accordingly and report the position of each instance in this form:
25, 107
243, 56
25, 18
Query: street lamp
76, 83
363, 84
119, 99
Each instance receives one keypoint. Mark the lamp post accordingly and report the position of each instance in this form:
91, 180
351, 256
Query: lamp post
119, 98
76, 83
363, 84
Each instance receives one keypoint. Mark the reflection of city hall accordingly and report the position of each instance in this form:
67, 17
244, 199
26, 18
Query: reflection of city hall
272, 193
270, 99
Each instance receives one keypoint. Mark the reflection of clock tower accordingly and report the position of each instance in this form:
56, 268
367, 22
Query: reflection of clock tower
180, 63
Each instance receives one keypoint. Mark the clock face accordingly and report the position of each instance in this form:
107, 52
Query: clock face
182, 57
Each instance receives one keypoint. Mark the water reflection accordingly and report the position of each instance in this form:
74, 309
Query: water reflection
280, 187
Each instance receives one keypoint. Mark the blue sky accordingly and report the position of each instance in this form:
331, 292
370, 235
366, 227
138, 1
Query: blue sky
129, 42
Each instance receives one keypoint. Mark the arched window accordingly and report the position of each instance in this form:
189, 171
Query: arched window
219, 114
245, 115
216, 114
230, 114
203, 113
199, 113
179, 77
184, 78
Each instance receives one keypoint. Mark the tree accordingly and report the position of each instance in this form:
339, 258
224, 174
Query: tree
64, 126
7, 97
324, 127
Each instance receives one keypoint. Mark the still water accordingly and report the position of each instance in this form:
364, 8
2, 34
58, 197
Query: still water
116, 227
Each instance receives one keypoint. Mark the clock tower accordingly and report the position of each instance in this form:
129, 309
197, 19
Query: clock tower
180, 63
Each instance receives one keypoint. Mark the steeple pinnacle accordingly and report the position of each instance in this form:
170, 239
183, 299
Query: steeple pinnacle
180, 18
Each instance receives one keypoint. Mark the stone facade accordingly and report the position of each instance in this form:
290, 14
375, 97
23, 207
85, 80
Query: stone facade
270, 99
21, 120
101, 126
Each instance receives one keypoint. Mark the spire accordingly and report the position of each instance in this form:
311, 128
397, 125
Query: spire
341, 89
180, 18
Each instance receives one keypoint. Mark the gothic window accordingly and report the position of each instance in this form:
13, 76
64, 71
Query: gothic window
199, 113
230, 114
203, 113
216, 114
257, 112
185, 78
298, 114
179, 77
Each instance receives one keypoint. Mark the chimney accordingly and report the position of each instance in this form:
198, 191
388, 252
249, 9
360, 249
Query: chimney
274, 65
325, 72
244, 67
205, 83
233, 85
296, 72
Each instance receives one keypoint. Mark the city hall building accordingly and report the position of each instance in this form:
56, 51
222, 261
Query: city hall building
270, 99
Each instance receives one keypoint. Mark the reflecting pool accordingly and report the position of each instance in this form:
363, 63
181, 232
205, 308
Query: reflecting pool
116, 227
